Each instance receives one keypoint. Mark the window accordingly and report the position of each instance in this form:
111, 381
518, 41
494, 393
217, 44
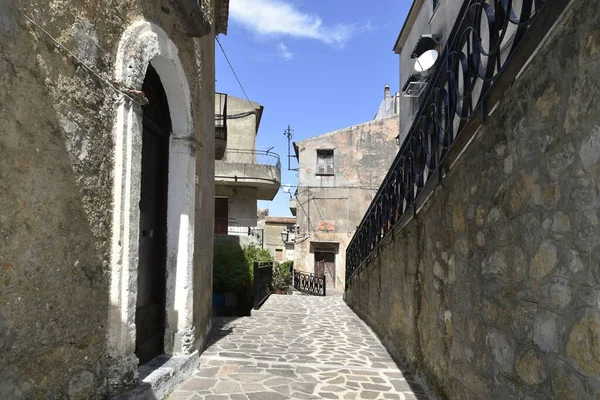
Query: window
279, 254
324, 162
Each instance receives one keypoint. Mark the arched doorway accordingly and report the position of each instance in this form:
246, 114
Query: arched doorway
151, 285
146, 51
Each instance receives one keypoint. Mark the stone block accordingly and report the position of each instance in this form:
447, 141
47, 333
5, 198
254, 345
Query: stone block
546, 331
583, 346
530, 368
544, 261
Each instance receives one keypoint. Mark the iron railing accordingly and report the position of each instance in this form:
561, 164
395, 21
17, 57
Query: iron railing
476, 67
308, 283
263, 282
221, 116
252, 157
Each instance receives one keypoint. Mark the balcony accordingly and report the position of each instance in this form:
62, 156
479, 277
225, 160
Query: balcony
293, 205
220, 125
250, 168
475, 69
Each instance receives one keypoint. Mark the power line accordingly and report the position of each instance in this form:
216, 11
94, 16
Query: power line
232, 70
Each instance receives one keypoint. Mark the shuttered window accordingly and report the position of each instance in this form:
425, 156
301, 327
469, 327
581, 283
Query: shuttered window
325, 162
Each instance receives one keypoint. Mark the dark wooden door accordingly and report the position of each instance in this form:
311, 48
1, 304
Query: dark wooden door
325, 265
150, 307
221, 215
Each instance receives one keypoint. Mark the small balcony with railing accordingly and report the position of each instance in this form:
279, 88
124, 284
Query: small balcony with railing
250, 168
220, 125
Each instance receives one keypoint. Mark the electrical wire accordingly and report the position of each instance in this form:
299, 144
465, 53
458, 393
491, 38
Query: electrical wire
232, 70
79, 60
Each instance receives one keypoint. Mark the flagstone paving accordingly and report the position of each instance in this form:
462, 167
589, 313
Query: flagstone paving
297, 347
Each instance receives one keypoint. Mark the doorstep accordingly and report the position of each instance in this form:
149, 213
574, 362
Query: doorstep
161, 376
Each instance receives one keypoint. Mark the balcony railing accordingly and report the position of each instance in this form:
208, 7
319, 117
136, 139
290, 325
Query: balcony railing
252, 157
476, 67
221, 116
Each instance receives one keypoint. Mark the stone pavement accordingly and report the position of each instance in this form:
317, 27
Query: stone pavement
297, 347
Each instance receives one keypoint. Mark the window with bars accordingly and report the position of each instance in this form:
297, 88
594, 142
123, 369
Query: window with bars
325, 162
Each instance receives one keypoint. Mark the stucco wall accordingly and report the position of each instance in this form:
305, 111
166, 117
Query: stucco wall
56, 191
241, 128
361, 153
492, 290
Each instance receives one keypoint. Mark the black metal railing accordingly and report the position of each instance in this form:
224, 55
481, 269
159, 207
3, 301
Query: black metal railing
308, 283
221, 116
476, 67
252, 157
263, 282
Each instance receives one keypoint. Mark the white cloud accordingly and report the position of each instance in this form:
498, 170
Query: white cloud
280, 18
284, 52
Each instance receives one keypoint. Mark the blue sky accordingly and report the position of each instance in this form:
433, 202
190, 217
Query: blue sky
315, 65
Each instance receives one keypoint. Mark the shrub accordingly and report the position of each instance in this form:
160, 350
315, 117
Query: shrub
282, 277
234, 265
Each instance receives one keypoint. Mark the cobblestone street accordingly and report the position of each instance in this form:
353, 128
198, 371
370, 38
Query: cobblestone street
297, 347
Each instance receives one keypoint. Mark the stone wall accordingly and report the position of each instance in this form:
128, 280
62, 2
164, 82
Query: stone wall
56, 191
493, 290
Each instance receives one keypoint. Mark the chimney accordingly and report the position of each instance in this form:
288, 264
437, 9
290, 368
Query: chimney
386, 92
397, 103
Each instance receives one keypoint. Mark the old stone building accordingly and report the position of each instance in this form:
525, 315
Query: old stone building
107, 149
477, 261
338, 174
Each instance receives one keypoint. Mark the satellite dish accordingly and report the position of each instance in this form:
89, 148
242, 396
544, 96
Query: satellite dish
426, 60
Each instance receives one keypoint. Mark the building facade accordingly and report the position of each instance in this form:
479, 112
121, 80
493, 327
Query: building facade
107, 183
339, 172
243, 175
279, 234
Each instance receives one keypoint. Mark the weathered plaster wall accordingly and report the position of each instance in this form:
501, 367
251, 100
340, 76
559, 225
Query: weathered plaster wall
272, 239
361, 154
56, 191
492, 291
242, 204
242, 123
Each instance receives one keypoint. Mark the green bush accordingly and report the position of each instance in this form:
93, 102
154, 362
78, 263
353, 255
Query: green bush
282, 277
234, 265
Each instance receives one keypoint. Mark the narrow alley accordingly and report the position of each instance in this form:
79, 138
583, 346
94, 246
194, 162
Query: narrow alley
297, 347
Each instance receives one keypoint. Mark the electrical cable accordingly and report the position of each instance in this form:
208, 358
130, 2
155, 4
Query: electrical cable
79, 60
232, 70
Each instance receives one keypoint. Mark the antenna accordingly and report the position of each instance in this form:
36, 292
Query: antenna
289, 133
426, 60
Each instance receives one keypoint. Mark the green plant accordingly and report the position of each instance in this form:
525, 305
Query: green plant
231, 271
234, 265
282, 277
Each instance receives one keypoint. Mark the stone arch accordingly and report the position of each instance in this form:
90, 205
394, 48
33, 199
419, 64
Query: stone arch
143, 44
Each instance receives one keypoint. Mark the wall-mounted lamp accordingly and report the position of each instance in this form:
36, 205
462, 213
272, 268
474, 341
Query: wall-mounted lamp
285, 236
398, 140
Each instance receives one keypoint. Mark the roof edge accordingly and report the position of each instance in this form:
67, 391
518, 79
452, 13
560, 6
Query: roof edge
408, 23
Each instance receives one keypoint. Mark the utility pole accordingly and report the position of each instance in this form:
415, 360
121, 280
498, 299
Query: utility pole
289, 133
